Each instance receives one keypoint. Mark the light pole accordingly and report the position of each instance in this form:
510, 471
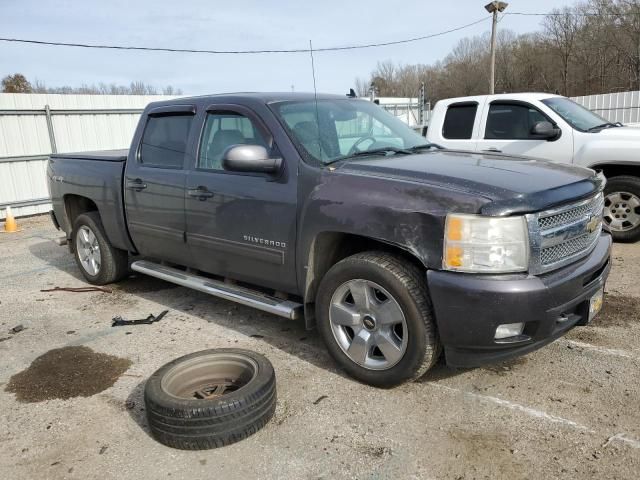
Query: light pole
494, 8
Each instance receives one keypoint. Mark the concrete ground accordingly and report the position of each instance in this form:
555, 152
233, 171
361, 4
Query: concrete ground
569, 410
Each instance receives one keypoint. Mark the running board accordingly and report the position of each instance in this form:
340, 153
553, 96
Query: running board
234, 293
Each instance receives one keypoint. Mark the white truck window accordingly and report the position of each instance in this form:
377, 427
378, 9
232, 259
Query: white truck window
512, 121
459, 120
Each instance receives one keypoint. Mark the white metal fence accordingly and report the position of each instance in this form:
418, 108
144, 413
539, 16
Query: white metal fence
34, 125
621, 107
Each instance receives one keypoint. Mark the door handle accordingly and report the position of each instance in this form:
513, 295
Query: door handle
136, 184
493, 149
201, 193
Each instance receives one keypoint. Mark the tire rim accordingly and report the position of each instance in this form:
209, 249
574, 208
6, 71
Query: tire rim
208, 377
621, 211
368, 324
88, 250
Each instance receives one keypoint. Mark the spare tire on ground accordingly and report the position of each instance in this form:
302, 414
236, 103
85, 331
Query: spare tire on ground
211, 398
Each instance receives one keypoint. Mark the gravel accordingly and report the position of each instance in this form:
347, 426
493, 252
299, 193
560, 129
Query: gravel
569, 410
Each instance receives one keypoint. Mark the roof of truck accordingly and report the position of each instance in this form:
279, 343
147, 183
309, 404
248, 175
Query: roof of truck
501, 96
266, 97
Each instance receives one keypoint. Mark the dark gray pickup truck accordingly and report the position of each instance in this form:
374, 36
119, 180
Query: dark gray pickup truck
333, 210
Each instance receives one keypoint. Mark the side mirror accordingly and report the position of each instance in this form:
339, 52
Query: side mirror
545, 130
250, 158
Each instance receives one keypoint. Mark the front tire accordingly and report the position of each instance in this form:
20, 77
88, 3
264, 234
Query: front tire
622, 208
99, 261
374, 316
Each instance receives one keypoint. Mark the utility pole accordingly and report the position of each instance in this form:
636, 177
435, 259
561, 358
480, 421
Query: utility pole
494, 8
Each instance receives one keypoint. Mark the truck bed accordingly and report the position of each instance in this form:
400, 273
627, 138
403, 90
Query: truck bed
96, 176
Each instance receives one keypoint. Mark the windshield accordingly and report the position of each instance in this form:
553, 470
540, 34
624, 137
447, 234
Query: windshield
346, 128
575, 115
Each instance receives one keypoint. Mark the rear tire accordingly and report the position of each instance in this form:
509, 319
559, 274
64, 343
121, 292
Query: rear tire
99, 261
388, 339
622, 208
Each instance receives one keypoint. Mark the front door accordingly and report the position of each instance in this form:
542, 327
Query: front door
154, 186
507, 129
241, 225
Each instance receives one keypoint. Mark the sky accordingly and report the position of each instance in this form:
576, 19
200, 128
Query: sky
237, 25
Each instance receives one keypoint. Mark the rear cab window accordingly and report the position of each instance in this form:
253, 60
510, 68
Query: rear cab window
164, 141
459, 121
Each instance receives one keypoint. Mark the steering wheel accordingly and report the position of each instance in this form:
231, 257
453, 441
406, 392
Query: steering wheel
354, 148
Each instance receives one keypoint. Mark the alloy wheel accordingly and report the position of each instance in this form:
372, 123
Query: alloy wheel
368, 324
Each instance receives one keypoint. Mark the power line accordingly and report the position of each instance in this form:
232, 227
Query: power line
241, 52
572, 14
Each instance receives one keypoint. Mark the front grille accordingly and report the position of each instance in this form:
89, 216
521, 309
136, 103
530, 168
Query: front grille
551, 255
563, 235
572, 214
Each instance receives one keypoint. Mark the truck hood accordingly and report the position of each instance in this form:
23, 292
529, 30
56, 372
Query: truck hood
619, 133
510, 184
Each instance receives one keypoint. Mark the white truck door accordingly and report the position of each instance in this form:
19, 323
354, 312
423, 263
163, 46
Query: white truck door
507, 127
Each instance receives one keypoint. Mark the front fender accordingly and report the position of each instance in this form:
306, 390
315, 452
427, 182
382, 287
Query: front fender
404, 214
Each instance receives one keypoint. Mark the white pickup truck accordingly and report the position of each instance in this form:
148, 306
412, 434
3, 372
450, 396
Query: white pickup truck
552, 128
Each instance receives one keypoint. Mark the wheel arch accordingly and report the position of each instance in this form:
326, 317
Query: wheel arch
328, 248
614, 169
74, 206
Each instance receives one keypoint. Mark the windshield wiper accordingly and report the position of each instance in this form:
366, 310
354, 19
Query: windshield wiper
376, 151
425, 145
601, 126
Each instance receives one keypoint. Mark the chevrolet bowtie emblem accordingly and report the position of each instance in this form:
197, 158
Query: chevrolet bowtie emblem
593, 224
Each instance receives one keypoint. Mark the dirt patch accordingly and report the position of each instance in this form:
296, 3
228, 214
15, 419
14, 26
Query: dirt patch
504, 368
619, 311
66, 373
587, 335
482, 454
144, 284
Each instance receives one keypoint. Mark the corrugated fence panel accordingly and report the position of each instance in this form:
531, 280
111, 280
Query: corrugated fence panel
621, 107
101, 122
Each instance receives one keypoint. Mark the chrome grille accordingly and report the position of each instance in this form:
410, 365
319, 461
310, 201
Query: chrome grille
572, 214
550, 255
563, 235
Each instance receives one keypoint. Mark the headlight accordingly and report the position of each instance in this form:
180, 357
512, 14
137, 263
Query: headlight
474, 243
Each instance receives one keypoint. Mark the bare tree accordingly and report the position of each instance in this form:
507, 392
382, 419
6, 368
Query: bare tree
591, 47
16, 83
134, 88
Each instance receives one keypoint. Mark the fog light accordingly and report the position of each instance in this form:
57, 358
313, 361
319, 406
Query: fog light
507, 330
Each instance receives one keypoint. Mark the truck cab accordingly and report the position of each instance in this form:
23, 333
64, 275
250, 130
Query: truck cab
553, 128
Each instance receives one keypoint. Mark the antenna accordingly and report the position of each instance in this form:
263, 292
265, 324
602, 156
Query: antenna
315, 96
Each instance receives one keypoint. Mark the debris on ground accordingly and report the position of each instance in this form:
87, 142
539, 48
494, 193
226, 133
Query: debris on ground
119, 321
77, 289
319, 399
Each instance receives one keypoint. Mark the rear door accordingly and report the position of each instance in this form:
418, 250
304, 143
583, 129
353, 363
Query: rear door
460, 126
241, 225
154, 185
507, 128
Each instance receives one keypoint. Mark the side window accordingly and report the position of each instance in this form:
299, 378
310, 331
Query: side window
458, 122
221, 131
512, 121
164, 141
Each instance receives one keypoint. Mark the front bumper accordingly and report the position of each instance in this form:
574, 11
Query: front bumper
468, 307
